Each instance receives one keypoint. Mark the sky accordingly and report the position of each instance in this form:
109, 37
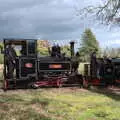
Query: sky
52, 20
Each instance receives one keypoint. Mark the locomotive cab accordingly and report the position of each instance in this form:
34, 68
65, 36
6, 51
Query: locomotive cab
25, 66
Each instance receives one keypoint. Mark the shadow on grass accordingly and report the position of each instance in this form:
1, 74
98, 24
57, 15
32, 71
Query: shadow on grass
30, 114
23, 114
43, 102
109, 93
10, 98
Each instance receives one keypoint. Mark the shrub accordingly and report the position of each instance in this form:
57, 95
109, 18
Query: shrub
1, 59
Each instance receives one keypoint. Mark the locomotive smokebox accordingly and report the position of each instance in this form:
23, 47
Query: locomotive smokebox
72, 43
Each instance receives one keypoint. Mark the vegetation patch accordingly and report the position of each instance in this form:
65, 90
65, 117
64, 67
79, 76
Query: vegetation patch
58, 104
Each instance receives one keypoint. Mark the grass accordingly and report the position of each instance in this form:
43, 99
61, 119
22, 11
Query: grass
58, 104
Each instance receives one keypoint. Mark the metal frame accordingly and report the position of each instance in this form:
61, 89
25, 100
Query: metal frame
35, 46
28, 74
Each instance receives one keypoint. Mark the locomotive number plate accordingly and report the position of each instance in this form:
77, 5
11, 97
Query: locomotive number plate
55, 66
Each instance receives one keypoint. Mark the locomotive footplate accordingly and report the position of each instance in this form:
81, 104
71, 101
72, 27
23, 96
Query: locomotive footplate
16, 83
47, 82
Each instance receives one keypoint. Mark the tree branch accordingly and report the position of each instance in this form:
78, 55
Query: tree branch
107, 13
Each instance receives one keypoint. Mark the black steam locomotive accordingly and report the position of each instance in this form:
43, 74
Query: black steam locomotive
102, 71
36, 71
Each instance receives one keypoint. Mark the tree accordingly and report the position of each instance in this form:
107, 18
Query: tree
42, 46
111, 52
1, 46
66, 49
107, 11
88, 45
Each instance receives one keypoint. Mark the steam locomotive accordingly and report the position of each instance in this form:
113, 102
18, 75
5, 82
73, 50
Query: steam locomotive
102, 71
37, 71
57, 69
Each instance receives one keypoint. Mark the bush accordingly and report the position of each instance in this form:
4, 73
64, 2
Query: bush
1, 59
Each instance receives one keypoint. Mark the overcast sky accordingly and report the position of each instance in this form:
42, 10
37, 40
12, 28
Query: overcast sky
51, 20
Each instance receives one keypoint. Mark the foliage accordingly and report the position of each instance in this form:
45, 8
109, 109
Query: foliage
1, 59
1, 45
66, 49
43, 48
89, 44
111, 52
43, 51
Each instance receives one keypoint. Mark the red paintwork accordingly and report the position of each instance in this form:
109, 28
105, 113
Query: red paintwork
118, 81
28, 65
55, 66
52, 81
95, 82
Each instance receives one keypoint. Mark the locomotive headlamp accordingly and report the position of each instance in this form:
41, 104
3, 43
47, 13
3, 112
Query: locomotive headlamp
55, 66
28, 65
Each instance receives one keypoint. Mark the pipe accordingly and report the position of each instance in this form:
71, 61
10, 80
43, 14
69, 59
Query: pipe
72, 48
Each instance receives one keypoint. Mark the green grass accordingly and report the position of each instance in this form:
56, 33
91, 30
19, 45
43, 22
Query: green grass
58, 104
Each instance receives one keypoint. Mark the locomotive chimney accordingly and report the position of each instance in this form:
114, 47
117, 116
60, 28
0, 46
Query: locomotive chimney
72, 48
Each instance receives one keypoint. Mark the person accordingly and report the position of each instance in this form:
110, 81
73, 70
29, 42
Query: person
10, 57
93, 64
54, 49
77, 54
58, 52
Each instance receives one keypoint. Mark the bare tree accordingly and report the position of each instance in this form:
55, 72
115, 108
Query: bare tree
108, 12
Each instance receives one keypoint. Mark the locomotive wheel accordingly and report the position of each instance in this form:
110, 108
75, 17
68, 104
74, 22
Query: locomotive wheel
34, 86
